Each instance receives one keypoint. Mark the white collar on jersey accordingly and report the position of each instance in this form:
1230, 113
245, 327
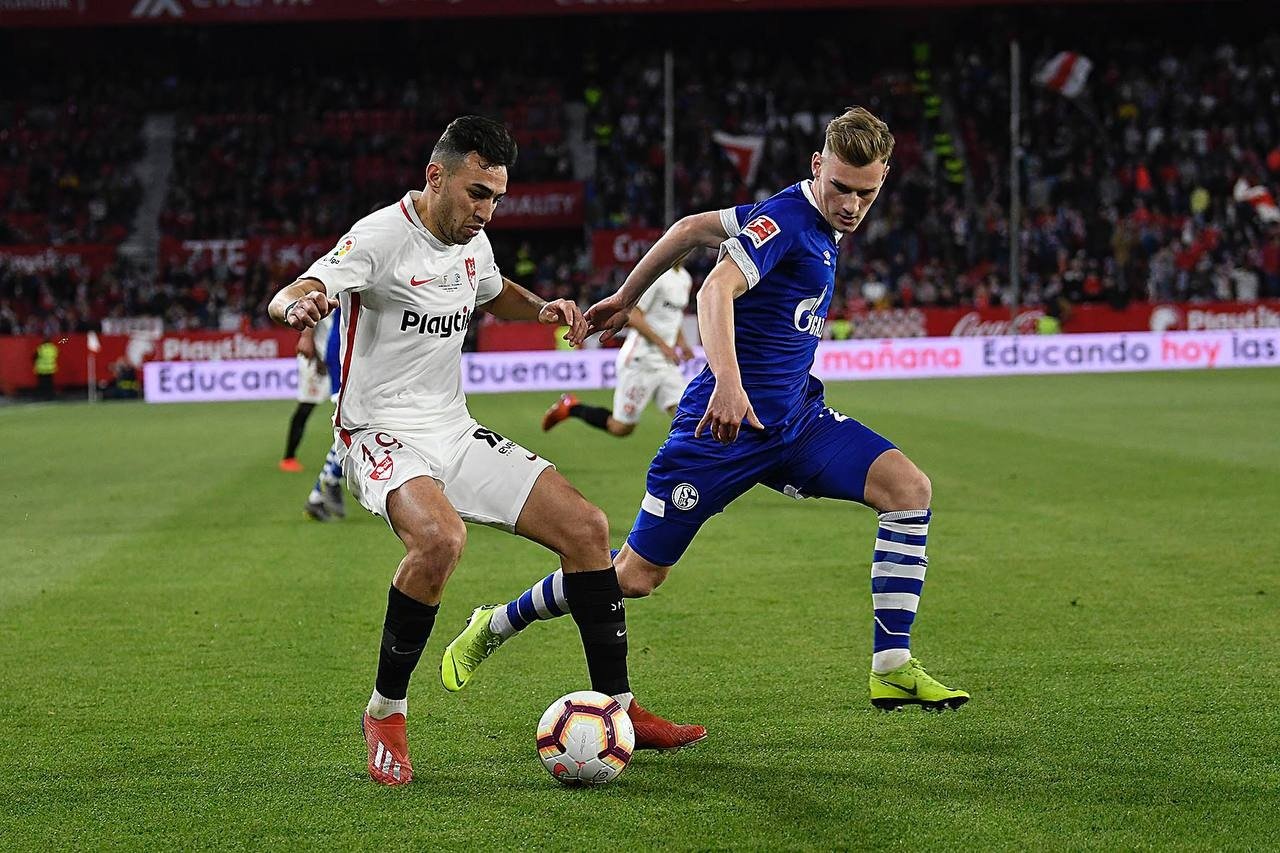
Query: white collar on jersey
412, 212
806, 187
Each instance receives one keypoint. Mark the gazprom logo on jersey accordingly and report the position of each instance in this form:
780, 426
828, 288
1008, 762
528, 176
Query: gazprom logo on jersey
806, 320
437, 325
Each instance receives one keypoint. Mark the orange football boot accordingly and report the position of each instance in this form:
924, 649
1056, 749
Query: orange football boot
291, 465
388, 749
653, 732
559, 411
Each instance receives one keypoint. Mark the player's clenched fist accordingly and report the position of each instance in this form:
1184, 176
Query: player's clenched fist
565, 312
304, 313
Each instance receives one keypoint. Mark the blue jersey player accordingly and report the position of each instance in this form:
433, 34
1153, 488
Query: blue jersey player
755, 415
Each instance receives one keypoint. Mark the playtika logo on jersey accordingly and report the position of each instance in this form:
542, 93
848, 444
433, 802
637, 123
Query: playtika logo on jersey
436, 325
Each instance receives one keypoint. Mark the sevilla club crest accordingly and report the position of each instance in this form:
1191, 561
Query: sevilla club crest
471, 272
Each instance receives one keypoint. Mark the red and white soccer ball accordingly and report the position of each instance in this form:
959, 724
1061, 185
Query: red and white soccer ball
585, 738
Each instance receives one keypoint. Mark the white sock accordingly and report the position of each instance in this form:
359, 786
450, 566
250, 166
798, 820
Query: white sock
380, 707
624, 699
889, 660
501, 625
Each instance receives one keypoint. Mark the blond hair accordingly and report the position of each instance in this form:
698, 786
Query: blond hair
859, 138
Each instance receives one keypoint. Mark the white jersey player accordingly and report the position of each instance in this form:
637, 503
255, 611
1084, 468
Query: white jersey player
648, 365
410, 278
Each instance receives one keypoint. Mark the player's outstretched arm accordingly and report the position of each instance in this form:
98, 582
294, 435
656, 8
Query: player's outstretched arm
516, 303
301, 305
728, 407
609, 315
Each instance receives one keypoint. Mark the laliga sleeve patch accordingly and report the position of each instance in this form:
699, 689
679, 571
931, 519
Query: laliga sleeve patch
761, 230
344, 247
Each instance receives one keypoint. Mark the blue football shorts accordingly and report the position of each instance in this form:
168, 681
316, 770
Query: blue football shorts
821, 454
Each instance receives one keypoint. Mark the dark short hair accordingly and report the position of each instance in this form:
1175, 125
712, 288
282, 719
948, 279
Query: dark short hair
488, 138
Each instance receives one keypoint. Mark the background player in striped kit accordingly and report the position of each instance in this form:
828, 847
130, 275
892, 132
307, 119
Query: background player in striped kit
648, 365
313, 389
325, 501
761, 313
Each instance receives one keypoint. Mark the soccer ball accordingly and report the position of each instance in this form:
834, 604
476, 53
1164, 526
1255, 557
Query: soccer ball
585, 738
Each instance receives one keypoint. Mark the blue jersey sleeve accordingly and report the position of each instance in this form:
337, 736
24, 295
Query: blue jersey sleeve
764, 239
733, 218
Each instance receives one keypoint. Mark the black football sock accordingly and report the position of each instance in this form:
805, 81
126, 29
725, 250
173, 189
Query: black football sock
296, 426
404, 635
597, 416
595, 600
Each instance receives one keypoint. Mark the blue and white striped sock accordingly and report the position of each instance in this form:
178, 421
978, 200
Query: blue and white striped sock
543, 600
897, 579
330, 474
332, 471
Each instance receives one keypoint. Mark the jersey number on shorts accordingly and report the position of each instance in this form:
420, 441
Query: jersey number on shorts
489, 436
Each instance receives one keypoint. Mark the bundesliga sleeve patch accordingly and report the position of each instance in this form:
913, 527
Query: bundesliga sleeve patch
344, 247
761, 230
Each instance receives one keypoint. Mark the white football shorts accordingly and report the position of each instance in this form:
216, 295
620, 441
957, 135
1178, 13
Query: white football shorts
639, 383
486, 477
313, 386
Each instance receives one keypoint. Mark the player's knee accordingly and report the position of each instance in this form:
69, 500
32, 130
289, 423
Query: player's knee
639, 582
435, 549
592, 527
912, 491
620, 429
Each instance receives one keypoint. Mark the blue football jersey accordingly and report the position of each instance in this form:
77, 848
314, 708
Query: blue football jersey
787, 252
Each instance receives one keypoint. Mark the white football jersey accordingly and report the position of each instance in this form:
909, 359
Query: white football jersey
407, 300
663, 305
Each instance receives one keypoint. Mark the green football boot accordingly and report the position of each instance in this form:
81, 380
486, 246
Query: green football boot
911, 685
469, 649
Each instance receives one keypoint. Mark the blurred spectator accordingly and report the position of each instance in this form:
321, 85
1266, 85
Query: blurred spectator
1129, 189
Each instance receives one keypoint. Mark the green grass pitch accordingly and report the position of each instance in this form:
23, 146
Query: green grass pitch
184, 658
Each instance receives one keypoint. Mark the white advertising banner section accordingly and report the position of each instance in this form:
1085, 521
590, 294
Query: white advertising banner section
920, 358
207, 381
550, 370
901, 358
482, 373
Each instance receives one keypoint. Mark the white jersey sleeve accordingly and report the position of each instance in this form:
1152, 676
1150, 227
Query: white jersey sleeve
353, 265
489, 284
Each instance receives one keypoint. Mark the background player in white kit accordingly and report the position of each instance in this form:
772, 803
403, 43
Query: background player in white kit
648, 366
409, 277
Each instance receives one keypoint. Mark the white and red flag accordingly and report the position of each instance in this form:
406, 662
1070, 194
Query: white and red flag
1065, 73
743, 150
1258, 197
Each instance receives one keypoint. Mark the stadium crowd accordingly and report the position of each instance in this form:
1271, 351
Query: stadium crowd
1130, 189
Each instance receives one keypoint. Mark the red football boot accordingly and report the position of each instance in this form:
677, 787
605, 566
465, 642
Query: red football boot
290, 465
559, 411
388, 749
653, 732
